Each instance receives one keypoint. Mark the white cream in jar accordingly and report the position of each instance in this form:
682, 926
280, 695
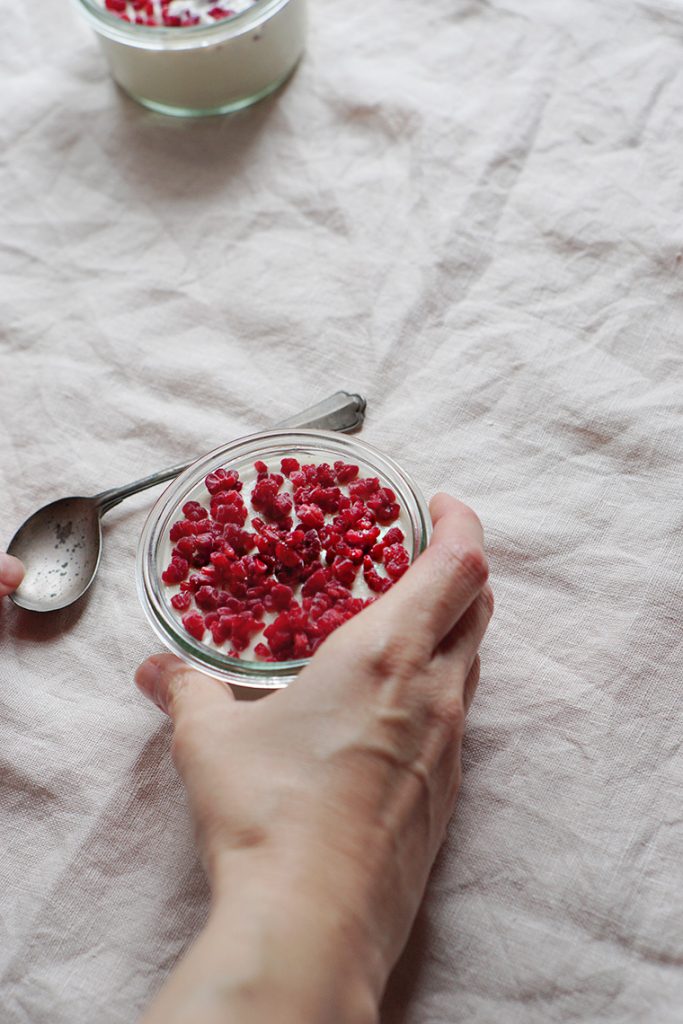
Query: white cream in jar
209, 63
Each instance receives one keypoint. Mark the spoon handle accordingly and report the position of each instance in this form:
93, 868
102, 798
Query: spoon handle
342, 411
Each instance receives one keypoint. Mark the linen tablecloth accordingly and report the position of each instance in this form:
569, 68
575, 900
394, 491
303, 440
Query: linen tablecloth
472, 212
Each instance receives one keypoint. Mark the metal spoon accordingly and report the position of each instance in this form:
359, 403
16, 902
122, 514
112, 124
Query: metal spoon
61, 544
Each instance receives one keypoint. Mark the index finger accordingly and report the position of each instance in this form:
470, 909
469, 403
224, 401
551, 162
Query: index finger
443, 582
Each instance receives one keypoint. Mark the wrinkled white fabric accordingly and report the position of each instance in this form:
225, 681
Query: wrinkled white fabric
471, 212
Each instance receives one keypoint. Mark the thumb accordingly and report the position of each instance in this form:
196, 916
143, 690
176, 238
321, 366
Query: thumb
11, 573
177, 689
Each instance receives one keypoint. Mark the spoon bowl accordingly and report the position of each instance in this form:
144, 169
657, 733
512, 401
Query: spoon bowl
60, 546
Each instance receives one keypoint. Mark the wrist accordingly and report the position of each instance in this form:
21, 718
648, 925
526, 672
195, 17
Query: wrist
294, 952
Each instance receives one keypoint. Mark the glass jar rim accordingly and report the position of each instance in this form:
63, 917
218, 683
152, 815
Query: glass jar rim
253, 674
166, 37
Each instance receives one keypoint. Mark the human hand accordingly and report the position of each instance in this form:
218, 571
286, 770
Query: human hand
319, 810
11, 573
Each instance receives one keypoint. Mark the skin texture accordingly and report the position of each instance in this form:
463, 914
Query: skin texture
11, 573
319, 810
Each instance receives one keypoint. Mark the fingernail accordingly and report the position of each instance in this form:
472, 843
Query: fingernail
147, 679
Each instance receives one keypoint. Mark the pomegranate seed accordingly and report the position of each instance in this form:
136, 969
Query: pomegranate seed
231, 513
363, 489
318, 581
345, 473
206, 598
377, 552
325, 475
176, 571
288, 556
194, 624
282, 596
311, 515
302, 647
223, 480
345, 571
396, 560
180, 529
363, 538
379, 584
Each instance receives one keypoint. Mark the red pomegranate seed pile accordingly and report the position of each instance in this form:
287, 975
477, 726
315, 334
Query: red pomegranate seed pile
164, 13
293, 563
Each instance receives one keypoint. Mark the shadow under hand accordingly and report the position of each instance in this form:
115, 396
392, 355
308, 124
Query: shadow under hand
39, 626
405, 977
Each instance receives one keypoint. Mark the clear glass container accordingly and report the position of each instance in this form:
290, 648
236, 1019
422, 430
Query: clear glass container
203, 69
308, 446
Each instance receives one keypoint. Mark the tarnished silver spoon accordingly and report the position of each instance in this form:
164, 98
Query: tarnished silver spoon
61, 544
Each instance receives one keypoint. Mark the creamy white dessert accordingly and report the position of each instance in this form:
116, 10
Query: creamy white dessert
358, 588
210, 65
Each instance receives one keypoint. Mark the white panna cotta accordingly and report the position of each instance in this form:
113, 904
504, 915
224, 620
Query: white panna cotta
191, 57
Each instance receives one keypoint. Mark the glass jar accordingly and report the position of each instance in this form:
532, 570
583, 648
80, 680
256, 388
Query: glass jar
308, 446
203, 69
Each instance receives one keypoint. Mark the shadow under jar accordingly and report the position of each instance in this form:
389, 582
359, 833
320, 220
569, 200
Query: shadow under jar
206, 68
308, 447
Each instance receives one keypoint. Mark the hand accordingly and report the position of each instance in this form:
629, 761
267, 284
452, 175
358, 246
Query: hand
11, 573
319, 809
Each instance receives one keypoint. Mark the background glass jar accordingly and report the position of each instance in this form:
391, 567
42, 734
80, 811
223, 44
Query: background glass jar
308, 446
203, 69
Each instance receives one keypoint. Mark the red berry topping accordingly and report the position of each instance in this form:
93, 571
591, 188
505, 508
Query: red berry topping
311, 515
396, 560
345, 473
194, 624
176, 571
223, 480
220, 12
289, 571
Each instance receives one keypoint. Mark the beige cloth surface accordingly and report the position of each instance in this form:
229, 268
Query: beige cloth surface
471, 212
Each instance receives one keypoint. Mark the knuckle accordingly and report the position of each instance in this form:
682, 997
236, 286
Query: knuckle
470, 562
448, 713
392, 655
